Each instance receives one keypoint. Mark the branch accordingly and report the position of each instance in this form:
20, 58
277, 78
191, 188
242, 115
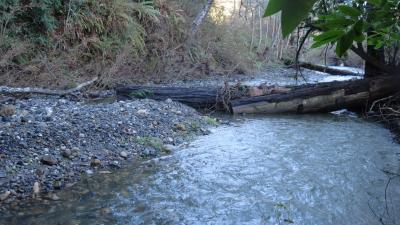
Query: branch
359, 50
28, 90
299, 50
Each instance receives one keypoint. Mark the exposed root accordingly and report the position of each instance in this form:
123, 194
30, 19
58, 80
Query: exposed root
229, 92
387, 110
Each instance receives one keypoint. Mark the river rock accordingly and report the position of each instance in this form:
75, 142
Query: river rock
54, 150
123, 154
36, 188
95, 162
105, 211
67, 153
57, 185
48, 160
7, 110
169, 148
53, 197
142, 112
5, 195
180, 126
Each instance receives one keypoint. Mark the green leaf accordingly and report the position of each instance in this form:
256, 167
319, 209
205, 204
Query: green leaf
344, 43
273, 7
327, 37
374, 2
349, 11
293, 12
358, 27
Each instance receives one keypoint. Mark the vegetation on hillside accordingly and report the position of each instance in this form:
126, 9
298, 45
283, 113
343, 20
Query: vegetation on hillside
60, 43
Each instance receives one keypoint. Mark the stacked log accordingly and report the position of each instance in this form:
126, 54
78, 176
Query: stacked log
321, 97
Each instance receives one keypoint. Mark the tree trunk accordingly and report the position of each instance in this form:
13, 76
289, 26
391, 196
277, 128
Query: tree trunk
371, 70
200, 17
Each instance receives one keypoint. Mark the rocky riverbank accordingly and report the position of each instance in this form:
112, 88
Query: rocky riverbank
49, 143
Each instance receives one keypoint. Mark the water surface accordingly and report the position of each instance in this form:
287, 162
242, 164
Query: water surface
319, 169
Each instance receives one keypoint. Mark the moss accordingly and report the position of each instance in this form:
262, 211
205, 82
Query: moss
211, 121
153, 142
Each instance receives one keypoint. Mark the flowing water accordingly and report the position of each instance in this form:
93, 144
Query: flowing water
317, 169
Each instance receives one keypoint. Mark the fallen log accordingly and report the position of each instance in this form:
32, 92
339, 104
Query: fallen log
327, 69
198, 97
322, 97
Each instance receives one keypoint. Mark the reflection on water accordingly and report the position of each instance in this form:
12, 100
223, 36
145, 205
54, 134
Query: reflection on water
262, 170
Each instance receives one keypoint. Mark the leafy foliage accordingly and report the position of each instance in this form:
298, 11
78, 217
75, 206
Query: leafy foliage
376, 21
293, 12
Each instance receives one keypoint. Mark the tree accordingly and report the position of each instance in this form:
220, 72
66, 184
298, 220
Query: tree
370, 28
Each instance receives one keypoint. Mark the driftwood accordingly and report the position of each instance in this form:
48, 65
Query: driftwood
323, 97
41, 91
327, 69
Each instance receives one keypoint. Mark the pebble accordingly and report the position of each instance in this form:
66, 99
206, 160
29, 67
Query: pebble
142, 112
48, 160
105, 211
57, 185
123, 154
67, 153
7, 110
180, 126
95, 162
5, 195
105, 172
78, 132
53, 197
169, 148
36, 188
40, 171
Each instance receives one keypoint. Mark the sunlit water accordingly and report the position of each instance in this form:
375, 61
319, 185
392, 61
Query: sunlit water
317, 169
